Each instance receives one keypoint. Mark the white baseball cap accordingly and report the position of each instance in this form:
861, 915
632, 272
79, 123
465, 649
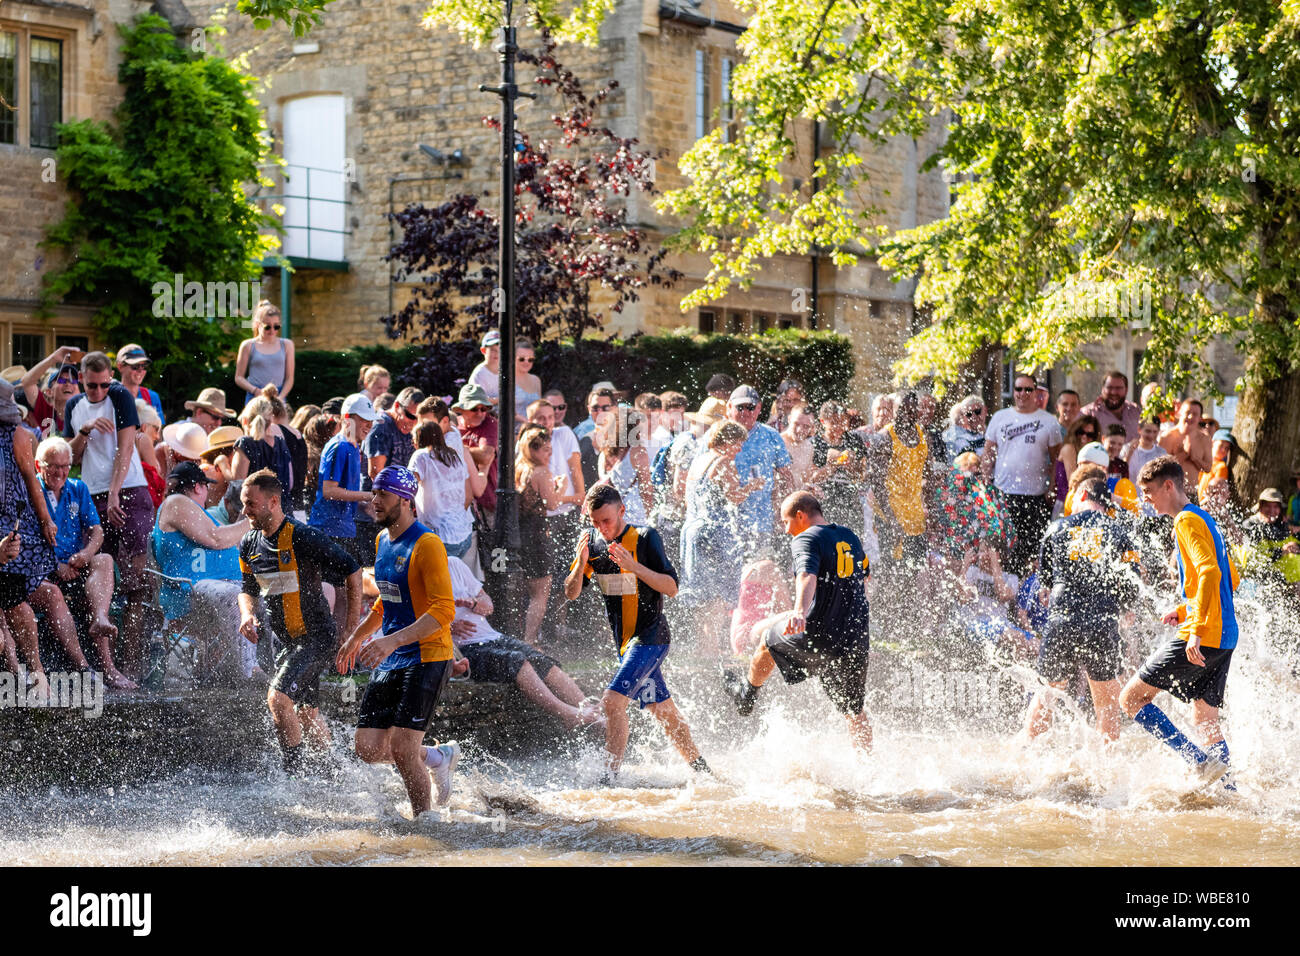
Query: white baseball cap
1094, 452
359, 405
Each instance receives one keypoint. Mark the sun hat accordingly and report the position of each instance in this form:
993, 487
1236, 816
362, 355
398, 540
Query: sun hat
471, 397
186, 439
711, 410
221, 439
212, 400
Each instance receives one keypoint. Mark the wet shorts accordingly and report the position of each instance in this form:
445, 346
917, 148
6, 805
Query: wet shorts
1169, 669
501, 659
133, 537
843, 672
1068, 646
299, 665
404, 697
639, 676
14, 589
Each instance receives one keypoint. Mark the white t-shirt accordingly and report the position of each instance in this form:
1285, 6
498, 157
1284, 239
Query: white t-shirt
563, 444
440, 502
1139, 456
101, 447
465, 587
488, 379
1024, 465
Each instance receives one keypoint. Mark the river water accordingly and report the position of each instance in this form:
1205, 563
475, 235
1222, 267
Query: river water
789, 790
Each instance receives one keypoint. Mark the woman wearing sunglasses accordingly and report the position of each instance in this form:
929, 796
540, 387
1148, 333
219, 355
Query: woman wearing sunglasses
1082, 430
49, 385
266, 358
528, 387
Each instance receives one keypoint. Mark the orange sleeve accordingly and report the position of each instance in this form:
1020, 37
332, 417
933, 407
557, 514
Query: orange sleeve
1201, 577
430, 556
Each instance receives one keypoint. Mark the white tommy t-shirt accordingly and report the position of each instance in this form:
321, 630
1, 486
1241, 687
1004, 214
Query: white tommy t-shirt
440, 502
563, 445
490, 381
465, 587
101, 447
1024, 465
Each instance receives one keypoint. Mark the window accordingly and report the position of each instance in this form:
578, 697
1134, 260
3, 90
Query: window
708, 321
32, 77
1138, 354
8, 87
789, 322
27, 349
762, 322
701, 93
735, 321
47, 90
79, 342
315, 197
728, 114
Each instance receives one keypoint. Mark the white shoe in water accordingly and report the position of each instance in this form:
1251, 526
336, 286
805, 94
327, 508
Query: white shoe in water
442, 773
1211, 770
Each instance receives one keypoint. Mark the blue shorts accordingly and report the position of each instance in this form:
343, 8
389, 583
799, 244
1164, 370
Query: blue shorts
639, 676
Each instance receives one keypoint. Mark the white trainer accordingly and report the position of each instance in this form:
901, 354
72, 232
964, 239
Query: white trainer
442, 773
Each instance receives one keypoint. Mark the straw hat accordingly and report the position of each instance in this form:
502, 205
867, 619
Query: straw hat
221, 439
212, 400
1271, 495
187, 439
14, 373
712, 410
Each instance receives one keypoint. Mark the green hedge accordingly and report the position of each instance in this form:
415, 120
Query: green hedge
681, 361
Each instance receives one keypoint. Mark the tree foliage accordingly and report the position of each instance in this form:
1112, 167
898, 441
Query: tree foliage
571, 231
300, 15
160, 192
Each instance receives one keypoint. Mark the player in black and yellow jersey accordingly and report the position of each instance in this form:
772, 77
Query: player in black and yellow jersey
827, 633
1087, 569
629, 566
283, 562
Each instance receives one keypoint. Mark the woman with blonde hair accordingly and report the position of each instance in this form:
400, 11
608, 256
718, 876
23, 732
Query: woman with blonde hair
373, 381
263, 445
266, 358
539, 492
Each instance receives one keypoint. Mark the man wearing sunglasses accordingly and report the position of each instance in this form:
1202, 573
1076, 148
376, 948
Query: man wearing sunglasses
764, 456
101, 426
132, 366
1020, 451
389, 441
48, 386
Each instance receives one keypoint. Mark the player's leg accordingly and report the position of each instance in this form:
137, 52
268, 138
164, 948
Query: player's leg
372, 745
678, 731
1136, 700
1206, 718
860, 731
1040, 710
314, 730
284, 715
614, 706
409, 753
1105, 706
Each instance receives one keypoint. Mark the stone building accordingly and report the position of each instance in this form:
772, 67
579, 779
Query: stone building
58, 62
372, 112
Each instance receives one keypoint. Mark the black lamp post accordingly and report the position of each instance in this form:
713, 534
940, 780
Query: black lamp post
505, 551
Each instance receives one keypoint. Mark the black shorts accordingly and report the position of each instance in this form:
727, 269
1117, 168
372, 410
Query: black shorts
500, 660
843, 671
1067, 646
14, 590
299, 665
404, 697
1169, 669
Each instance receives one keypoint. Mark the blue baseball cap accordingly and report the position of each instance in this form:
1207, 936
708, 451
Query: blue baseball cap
400, 481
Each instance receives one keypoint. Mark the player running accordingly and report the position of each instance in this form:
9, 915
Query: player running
633, 573
1194, 665
283, 562
827, 633
1086, 566
413, 658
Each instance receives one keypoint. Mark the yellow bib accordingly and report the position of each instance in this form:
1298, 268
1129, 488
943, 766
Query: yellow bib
903, 482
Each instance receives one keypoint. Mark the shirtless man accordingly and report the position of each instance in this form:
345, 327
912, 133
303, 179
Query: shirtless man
1187, 441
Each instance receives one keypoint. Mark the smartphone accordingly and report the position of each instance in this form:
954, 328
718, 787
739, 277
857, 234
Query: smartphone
75, 356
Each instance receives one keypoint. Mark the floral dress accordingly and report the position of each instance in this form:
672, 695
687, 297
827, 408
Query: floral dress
967, 514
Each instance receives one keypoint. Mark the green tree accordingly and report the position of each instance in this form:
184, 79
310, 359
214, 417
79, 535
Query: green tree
160, 192
1104, 154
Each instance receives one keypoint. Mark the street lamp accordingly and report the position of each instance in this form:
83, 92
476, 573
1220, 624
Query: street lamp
505, 551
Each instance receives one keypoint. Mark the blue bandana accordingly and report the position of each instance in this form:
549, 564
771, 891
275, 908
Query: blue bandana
400, 481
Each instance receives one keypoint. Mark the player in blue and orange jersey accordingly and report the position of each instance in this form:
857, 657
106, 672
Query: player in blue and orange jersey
413, 658
1193, 666
629, 566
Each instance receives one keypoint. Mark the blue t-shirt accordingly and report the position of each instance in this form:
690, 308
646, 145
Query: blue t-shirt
840, 614
340, 461
75, 514
765, 450
386, 439
413, 579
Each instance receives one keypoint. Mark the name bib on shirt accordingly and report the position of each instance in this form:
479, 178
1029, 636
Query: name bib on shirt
615, 584
389, 591
277, 582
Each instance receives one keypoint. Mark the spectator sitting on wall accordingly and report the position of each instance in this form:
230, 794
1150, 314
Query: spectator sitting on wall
486, 374
133, 366
266, 358
47, 387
